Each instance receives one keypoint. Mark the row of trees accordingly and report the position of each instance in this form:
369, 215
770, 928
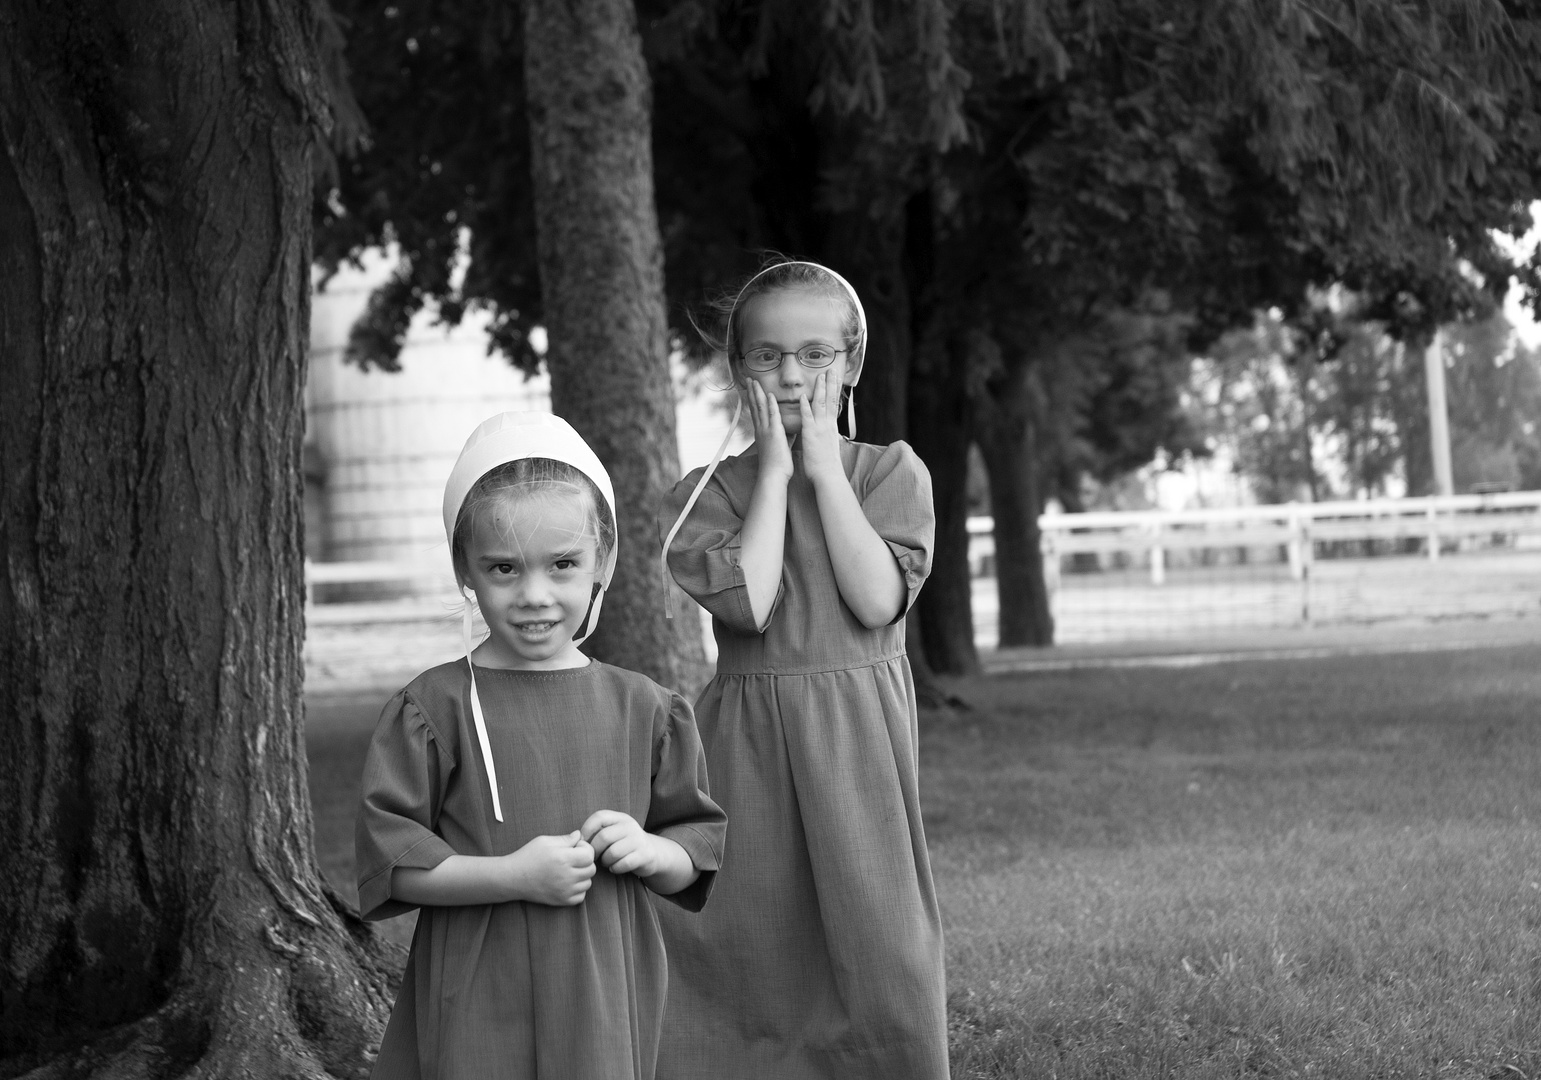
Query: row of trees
1027, 193
1332, 406
1046, 206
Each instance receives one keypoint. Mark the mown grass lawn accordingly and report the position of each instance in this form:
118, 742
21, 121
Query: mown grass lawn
1316, 868
1326, 868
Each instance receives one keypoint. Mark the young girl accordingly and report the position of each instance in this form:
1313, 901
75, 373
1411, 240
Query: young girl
821, 956
494, 784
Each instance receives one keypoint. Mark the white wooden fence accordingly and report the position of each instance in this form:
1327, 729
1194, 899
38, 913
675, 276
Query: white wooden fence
380, 592
1436, 523
1149, 546
1111, 574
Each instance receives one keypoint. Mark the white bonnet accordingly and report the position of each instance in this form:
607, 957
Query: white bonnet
853, 370
512, 436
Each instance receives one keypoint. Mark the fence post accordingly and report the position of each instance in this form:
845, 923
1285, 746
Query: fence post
1157, 555
1307, 557
1433, 516
1292, 548
1049, 551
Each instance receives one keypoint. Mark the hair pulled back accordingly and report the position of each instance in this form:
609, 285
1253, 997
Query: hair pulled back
779, 275
525, 477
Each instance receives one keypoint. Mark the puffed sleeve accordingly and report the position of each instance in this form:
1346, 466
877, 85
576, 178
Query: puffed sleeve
405, 775
681, 807
896, 499
706, 556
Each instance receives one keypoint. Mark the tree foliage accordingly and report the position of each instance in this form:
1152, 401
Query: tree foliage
1245, 151
1015, 183
1331, 405
443, 174
1493, 387
1225, 160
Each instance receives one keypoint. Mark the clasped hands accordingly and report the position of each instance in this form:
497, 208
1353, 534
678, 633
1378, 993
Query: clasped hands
563, 867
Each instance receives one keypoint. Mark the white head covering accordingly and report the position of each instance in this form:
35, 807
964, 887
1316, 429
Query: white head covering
854, 373
514, 436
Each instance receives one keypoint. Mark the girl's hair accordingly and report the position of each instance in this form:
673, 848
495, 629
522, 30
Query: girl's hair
531, 476
776, 276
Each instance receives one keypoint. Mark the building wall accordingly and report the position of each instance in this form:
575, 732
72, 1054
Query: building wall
380, 445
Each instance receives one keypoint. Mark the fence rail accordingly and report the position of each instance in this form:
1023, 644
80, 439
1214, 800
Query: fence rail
359, 593
1222, 559
1110, 574
1433, 521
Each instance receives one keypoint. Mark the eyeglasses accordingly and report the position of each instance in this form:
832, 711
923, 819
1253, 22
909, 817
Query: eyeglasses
813, 357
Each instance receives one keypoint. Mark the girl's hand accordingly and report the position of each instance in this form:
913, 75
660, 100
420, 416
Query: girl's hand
821, 429
621, 844
763, 535
626, 848
770, 437
554, 870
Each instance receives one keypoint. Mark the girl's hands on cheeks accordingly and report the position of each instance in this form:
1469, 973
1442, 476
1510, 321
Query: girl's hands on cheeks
821, 430
621, 844
555, 870
770, 436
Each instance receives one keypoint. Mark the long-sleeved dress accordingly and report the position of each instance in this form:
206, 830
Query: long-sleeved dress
821, 955
522, 989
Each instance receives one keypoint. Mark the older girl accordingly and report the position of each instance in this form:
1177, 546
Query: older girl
821, 956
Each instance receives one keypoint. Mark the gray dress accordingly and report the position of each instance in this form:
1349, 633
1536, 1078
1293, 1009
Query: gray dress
821, 955
523, 990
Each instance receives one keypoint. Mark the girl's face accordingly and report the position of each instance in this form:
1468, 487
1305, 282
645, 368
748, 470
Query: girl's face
785, 320
533, 561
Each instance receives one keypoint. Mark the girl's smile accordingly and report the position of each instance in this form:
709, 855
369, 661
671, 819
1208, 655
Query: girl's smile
536, 632
786, 320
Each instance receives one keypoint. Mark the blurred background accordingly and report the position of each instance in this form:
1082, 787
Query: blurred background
1301, 503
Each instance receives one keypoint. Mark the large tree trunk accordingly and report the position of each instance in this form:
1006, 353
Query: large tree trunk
887, 259
940, 429
162, 910
1006, 429
868, 251
1410, 411
601, 269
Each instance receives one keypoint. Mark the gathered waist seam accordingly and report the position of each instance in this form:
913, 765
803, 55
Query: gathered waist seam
800, 672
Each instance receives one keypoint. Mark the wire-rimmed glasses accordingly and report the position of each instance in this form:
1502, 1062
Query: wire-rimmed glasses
814, 357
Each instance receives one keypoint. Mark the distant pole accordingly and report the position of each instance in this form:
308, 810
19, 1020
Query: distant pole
1439, 416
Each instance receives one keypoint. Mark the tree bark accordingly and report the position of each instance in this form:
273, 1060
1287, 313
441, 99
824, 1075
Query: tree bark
940, 423
1006, 441
162, 909
868, 251
1410, 411
601, 270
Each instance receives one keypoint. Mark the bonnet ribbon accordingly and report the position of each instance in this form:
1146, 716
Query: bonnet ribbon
663, 559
